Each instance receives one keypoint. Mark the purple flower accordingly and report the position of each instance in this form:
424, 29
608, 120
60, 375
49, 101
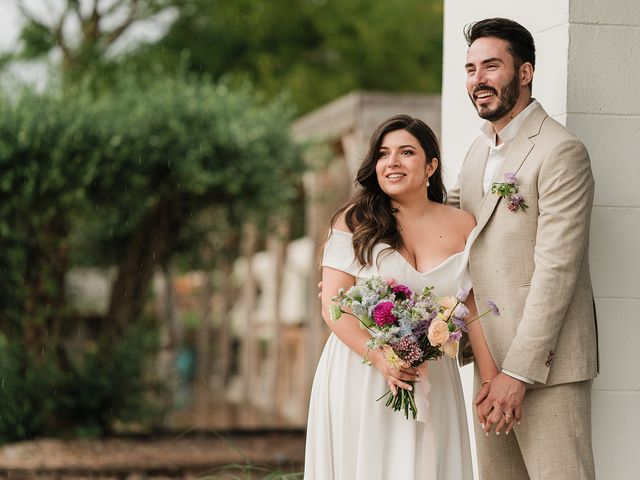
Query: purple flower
460, 324
510, 177
512, 206
455, 336
402, 291
382, 314
421, 328
461, 311
516, 201
494, 308
462, 294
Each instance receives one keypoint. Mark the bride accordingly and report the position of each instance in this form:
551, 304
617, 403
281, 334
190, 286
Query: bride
396, 226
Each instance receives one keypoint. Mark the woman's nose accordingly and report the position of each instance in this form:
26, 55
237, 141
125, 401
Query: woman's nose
393, 160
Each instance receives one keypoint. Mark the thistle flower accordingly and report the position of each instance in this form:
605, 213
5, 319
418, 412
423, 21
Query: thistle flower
494, 308
455, 336
462, 294
510, 177
461, 311
460, 324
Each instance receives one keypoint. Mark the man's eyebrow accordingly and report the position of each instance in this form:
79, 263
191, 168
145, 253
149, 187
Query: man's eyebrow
488, 60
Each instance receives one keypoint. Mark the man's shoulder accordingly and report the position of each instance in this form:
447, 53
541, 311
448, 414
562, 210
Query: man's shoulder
551, 130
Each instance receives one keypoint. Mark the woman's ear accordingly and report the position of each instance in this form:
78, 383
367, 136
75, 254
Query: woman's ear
432, 166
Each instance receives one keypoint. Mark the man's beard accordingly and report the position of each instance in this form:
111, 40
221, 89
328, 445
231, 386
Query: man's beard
506, 100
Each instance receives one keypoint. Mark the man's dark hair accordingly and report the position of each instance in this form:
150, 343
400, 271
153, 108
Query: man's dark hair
521, 44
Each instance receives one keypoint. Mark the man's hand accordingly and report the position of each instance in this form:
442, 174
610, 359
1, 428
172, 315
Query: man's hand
501, 405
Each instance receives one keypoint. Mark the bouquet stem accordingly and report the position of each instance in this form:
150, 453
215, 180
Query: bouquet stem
404, 401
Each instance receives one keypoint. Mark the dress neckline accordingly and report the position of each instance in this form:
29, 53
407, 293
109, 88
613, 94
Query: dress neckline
408, 263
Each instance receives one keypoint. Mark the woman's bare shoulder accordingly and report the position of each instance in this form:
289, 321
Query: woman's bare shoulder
460, 219
340, 223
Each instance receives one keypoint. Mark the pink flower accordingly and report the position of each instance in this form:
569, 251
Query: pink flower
438, 332
382, 314
402, 291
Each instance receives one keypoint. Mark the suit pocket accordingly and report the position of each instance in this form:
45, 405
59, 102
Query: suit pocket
526, 284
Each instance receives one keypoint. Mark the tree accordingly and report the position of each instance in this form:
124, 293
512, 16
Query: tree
315, 49
115, 179
84, 31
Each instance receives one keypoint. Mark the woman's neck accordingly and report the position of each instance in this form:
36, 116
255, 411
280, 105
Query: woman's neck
409, 211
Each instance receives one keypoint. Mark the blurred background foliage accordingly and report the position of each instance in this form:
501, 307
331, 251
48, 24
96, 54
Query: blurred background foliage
116, 179
157, 155
315, 50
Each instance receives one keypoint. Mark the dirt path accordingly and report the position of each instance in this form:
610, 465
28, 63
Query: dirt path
133, 458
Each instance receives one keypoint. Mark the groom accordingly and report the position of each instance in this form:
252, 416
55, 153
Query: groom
530, 257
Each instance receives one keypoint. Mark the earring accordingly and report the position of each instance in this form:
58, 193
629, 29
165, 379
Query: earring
428, 182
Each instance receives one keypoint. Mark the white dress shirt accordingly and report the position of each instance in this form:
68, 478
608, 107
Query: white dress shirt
497, 154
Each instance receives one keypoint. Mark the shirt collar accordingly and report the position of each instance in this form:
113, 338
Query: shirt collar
509, 132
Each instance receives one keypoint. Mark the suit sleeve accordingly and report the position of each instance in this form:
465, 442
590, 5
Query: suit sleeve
453, 195
566, 187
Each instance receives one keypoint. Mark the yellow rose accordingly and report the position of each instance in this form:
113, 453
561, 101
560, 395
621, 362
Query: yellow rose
450, 348
438, 332
393, 360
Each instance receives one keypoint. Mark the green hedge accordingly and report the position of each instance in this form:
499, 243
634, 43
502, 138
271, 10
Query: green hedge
114, 179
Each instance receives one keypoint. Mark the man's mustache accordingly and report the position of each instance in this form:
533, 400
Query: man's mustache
485, 88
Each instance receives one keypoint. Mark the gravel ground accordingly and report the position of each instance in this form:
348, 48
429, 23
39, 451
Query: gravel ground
133, 458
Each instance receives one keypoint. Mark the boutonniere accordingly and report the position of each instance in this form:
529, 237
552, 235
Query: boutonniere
509, 190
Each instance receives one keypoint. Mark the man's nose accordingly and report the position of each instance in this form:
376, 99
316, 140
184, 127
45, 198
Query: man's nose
479, 78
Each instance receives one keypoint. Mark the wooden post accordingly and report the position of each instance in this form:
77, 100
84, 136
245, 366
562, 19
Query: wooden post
249, 296
277, 247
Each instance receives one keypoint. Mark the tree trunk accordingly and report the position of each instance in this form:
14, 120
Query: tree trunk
223, 294
149, 246
204, 335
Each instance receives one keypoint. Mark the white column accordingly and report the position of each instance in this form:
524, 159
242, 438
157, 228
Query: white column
603, 109
587, 77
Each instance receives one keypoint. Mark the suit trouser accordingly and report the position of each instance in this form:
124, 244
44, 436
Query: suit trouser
552, 442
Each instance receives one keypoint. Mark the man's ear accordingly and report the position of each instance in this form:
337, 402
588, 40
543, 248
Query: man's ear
526, 73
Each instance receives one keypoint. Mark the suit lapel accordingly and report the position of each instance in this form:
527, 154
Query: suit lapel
476, 171
518, 152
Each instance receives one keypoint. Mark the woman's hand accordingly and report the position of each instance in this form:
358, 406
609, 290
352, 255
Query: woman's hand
395, 377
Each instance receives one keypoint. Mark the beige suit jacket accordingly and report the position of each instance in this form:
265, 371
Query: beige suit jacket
534, 264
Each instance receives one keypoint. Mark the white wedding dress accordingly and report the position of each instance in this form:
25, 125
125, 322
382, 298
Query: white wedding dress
350, 435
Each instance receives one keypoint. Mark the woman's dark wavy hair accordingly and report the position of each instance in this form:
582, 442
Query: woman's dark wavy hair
521, 44
369, 213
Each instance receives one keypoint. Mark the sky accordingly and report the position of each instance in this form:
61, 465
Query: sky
9, 25
36, 73
10, 21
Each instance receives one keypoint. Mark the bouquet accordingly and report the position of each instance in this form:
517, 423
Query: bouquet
409, 327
